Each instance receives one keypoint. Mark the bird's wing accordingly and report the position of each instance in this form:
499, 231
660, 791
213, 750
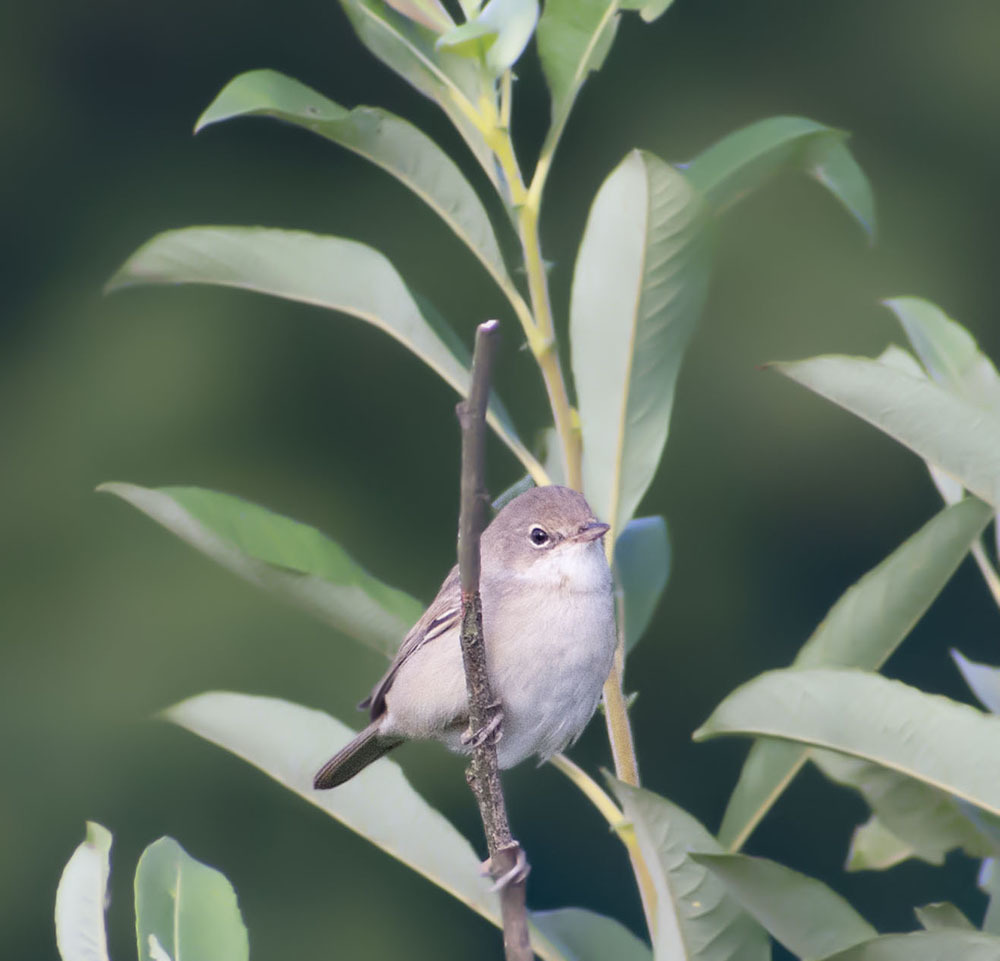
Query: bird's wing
444, 613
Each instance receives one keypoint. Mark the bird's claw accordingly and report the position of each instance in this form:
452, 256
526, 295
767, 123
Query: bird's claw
516, 875
473, 739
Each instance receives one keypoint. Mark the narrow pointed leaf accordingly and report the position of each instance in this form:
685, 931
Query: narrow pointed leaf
989, 883
929, 821
958, 437
453, 82
806, 916
875, 848
862, 629
428, 13
325, 271
642, 566
388, 141
574, 37
185, 908
585, 936
947, 745
290, 559
983, 680
638, 288
649, 10
289, 743
81, 899
696, 917
942, 915
747, 159
925, 946
504, 28
948, 351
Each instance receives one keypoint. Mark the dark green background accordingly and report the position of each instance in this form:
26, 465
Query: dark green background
776, 501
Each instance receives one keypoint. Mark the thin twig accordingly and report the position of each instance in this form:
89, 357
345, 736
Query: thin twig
507, 863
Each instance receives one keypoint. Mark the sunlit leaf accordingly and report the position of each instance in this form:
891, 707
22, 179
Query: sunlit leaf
328, 272
291, 559
745, 160
428, 13
942, 915
960, 438
185, 907
289, 743
586, 936
81, 899
642, 566
983, 679
696, 917
503, 26
925, 946
453, 82
947, 745
638, 287
875, 848
862, 629
806, 916
389, 141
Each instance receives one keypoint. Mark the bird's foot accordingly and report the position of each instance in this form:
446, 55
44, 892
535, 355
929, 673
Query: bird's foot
515, 875
473, 739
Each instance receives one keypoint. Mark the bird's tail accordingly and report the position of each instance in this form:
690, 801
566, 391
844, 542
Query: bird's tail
368, 746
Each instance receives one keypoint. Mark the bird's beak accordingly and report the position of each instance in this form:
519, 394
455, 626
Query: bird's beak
591, 532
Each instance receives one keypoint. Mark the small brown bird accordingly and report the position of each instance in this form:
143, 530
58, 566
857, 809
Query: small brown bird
549, 632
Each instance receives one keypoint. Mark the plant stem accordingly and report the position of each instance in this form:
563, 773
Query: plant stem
507, 864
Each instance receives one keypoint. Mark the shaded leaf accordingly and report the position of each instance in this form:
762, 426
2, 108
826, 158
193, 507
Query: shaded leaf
185, 908
958, 437
642, 566
950, 746
745, 160
862, 629
638, 287
983, 679
325, 271
81, 899
927, 820
428, 13
504, 28
291, 559
696, 917
453, 82
874, 848
649, 10
386, 140
806, 916
989, 884
585, 936
942, 915
925, 946
289, 743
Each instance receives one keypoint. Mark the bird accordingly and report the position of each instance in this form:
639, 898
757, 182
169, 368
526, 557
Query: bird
549, 634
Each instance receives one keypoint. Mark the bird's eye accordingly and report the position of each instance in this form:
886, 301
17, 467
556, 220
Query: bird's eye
539, 536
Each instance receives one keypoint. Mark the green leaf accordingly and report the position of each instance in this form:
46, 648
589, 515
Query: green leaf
386, 140
642, 566
950, 746
958, 437
928, 821
745, 160
925, 946
948, 351
649, 10
453, 82
325, 271
503, 26
875, 848
983, 679
428, 13
573, 37
942, 915
291, 559
638, 288
585, 936
862, 629
989, 883
289, 743
802, 913
696, 917
81, 899
185, 909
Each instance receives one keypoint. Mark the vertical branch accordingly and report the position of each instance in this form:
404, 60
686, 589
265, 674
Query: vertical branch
508, 866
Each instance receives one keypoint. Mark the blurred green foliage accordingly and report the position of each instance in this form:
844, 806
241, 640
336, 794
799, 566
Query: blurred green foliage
775, 500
